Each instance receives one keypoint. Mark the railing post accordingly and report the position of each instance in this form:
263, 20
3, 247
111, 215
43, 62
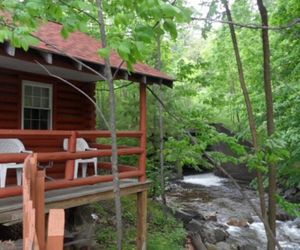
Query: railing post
69, 172
141, 220
143, 129
40, 208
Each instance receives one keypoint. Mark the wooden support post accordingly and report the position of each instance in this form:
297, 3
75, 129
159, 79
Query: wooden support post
69, 172
56, 226
33, 173
40, 208
142, 220
143, 129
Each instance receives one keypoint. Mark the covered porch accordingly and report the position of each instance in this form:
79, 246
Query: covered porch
59, 165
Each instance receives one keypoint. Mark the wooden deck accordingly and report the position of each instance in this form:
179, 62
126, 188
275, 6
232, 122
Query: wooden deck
11, 208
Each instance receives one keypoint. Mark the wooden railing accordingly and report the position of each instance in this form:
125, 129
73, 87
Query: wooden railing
34, 211
71, 155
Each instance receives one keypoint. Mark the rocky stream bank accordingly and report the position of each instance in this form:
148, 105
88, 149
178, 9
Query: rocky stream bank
212, 207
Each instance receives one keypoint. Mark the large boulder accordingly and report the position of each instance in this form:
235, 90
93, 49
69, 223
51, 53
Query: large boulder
211, 232
237, 171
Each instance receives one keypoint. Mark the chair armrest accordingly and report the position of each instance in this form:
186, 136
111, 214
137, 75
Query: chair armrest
27, 151
91, 149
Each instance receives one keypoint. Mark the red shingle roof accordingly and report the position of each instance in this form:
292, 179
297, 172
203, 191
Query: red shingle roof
84, 47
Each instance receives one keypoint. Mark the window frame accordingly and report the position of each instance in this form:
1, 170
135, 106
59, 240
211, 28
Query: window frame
42, 85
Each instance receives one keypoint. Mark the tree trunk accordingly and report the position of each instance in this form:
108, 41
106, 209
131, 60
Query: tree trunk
270, 118
161, 126
250, 114
114, 157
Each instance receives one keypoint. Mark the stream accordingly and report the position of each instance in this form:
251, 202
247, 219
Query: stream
214, 208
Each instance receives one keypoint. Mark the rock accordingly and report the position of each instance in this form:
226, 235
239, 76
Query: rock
248, 247
295, 198
282, 216
197, 241
211, 246
223, 246
290, 192
195, 226
186, 216
220, 246
199, 217
237, 171
7, 245
211, 217
238, 222
220, 234
296, 223
210, 232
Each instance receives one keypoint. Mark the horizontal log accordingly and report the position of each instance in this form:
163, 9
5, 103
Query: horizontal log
122, 168
11, 99
91, 134
107, 134
18, 133
105, 146
17, 190
64, 156
68, 111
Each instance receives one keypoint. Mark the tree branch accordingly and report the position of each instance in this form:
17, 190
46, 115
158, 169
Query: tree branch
250, 25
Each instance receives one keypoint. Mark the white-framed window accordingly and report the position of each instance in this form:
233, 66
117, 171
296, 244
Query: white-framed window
36, 105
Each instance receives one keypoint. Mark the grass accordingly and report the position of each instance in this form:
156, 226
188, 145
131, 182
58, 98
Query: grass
164, 231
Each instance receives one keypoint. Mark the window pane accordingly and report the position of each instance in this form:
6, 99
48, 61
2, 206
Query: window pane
45, 92
28, 101
27, 113
27, 124
35, 124
43, 124
45, 103
36, 91
44, 114
35, 115
36, 102
28, 90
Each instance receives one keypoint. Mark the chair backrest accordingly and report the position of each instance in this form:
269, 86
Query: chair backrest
81, 144
11, 146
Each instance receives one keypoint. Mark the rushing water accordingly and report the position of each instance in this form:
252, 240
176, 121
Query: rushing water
207, 180
208, 195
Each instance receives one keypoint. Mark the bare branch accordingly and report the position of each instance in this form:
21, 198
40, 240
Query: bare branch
250, 25
81, 11
120, 87
117, 70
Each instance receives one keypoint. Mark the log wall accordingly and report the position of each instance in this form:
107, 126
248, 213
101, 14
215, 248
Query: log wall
71, 111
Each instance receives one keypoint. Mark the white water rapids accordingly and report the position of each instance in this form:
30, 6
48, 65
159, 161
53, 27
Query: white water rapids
207, 193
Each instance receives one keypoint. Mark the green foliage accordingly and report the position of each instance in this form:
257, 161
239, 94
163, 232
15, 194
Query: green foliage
132, 28
164, 232
291, 208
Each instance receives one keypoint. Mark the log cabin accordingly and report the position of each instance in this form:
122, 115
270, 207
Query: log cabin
42, 111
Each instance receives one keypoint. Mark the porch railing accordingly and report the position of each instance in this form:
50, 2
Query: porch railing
71, 155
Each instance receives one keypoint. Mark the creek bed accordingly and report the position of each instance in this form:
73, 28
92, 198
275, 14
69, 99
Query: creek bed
213, 207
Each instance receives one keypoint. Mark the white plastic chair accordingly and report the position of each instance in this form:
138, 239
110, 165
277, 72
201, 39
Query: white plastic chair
11, 146
82, 145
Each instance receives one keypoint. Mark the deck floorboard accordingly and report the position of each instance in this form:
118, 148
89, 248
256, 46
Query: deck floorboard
11, 207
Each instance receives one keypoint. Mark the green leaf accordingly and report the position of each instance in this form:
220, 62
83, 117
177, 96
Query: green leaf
4, 34
104, 52
170, 27
124, 50
64, 32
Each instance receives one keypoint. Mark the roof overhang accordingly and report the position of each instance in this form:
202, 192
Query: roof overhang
63, 66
